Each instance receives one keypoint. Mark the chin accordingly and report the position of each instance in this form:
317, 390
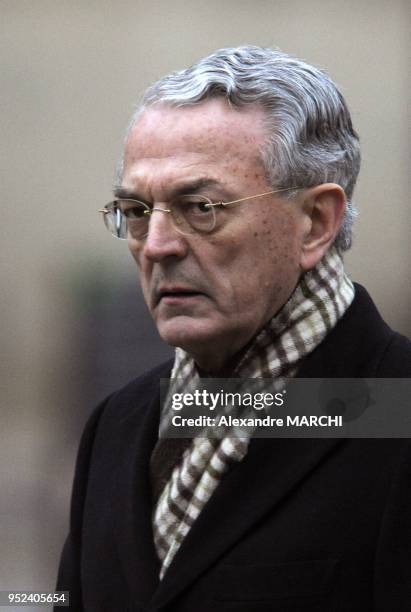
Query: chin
187, 333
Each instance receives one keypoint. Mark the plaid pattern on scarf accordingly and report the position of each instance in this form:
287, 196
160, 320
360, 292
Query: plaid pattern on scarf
318, 302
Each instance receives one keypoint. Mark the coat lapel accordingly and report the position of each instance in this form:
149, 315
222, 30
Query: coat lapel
250, 490
133, 508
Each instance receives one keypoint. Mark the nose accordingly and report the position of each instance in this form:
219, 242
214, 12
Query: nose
163, 240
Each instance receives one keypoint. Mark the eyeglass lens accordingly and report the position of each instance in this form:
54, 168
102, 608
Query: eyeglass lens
190, 213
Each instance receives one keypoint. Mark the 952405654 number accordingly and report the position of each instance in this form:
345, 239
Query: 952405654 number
34, 598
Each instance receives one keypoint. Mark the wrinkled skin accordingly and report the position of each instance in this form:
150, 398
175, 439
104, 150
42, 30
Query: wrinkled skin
210, 294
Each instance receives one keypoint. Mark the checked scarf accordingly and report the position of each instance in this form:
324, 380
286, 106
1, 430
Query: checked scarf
318, 302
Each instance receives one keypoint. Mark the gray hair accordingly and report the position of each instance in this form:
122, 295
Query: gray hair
311, 139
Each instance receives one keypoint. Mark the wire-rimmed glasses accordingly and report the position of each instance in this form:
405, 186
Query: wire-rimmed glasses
125, 217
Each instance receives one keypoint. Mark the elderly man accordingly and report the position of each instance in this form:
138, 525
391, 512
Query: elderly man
235, 196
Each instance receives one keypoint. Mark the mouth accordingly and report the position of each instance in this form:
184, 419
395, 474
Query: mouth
177, 295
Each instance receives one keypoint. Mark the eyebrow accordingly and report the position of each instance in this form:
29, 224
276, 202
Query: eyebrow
184, 189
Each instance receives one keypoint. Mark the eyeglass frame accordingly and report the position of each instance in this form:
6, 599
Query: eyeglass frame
149, 210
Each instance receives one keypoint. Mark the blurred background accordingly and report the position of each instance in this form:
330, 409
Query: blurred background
73, 323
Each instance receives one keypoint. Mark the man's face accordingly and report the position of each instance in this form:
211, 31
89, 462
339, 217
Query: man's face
211, 293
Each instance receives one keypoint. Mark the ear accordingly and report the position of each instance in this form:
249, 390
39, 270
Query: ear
323, 207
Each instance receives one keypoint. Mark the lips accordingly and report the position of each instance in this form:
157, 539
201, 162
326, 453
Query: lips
171, 294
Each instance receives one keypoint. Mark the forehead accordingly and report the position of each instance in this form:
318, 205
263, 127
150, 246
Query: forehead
211, 134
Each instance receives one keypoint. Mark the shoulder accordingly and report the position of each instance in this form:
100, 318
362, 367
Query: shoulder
128, 402
396, 360
122, 412
142, 385
360, 345
130, 398
389, 351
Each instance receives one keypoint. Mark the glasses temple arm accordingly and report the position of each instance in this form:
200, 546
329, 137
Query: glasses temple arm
259, 195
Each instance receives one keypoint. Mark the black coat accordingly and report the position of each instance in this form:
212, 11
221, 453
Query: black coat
299, 525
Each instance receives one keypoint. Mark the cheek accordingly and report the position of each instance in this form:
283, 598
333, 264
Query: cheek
276, 249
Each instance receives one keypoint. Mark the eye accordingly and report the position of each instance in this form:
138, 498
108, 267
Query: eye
133, 210
194, 206
199, 207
